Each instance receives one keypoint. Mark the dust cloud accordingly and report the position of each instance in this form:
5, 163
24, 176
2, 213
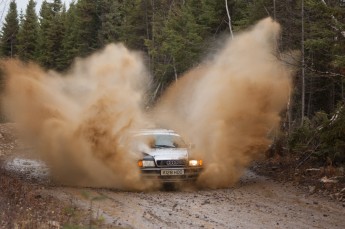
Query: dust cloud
81, 122
228, 106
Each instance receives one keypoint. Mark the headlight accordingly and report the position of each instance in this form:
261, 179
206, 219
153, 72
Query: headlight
195, 162
144, 163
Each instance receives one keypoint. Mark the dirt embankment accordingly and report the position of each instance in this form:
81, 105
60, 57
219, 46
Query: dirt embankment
307, 174
26, 200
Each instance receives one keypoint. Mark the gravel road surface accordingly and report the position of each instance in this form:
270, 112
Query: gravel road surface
256, 202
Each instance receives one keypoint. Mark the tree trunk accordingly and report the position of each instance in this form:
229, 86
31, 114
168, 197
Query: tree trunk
229, 17
175, 71
153, 35
148, 35
274, 9
303, 67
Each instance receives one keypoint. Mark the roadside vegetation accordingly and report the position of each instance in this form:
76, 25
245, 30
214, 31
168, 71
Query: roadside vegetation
177, 35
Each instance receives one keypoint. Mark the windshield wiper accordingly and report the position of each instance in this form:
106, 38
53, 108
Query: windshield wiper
164, 146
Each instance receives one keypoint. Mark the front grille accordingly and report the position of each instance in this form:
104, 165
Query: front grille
171, 163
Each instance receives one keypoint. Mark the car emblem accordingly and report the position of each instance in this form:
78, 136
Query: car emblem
174, 162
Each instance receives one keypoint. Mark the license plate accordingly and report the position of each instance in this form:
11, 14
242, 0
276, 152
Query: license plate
172, 172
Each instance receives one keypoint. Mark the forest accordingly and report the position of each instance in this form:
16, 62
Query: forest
175, 35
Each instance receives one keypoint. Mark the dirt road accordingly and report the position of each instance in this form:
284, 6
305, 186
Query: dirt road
256, 202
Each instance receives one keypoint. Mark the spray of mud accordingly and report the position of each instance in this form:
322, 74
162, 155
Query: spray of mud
81, 122
228, 106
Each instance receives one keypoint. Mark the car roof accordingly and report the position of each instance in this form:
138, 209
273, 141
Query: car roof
155, 131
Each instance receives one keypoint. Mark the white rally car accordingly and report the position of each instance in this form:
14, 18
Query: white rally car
166, 156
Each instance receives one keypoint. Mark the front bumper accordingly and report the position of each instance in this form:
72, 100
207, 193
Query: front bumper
190, 174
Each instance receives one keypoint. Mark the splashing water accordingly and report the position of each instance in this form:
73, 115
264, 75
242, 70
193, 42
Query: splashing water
227, 106
81, 122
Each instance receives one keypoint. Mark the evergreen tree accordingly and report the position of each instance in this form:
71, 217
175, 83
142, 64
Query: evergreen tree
59, 60
176, 42
69, 48
46, 16
9, 32
112, 16
137, 23
88, 25
212, 14
57, 32
183, 41
21, 18
51, 33
28, 33
324, 46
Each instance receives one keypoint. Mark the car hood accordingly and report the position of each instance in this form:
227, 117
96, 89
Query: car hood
169, 154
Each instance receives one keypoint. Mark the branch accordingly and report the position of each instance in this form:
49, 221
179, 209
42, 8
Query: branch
227, 11
325, 73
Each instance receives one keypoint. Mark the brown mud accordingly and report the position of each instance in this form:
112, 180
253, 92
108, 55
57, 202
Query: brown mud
30, 200
80, 122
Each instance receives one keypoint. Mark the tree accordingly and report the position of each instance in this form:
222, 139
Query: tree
61, 30
138, 22
229, 17
324, 47
51, 33
70, 39
112, 16
178, 33
88, 24
182, 39
28, 33
46, 15
9, 32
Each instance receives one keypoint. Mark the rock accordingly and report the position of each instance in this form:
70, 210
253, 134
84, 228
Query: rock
206, 202
54, 224
312, 170
274, 168
342, 191
328, 180
311, 189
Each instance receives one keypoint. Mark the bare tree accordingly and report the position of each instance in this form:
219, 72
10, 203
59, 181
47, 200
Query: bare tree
303, 65
229, 17
274, 9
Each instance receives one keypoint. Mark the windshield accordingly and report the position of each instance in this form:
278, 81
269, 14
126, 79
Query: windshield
162, 140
